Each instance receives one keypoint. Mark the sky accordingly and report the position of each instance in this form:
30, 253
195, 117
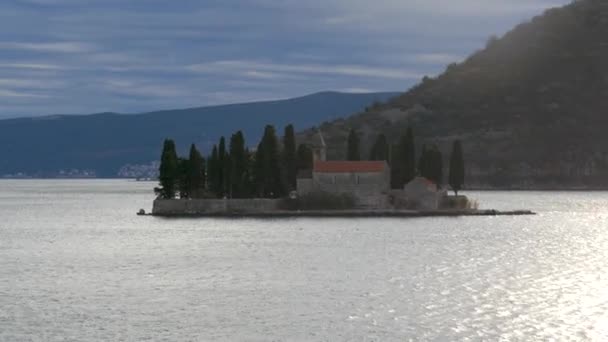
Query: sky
130, 56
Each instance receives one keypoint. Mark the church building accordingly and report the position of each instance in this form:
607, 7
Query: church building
367, 181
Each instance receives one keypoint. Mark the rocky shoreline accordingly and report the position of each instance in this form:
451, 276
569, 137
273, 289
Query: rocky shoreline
347, 214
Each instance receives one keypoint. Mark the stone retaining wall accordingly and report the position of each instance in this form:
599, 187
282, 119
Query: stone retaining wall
212, 206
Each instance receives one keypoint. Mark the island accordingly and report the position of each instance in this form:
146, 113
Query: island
278, 179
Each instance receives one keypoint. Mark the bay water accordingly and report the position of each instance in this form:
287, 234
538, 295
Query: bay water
77, 264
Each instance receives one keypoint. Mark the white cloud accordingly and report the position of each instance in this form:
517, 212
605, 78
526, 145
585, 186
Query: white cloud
12, 93
31, 83
128, 87
37, 66
241, 66
117, 55
357, 90
57, 47
436, 58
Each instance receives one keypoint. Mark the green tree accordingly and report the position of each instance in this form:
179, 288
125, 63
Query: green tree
305, 157
380, 149
222, 172
183, 177
196, 173
249, 185
258, 170
289, 157
456, 175
434, 161
238, 166
213, 172
409, 157
168, 171
396, 161
403, 164
423, 163
268, 168
353, 152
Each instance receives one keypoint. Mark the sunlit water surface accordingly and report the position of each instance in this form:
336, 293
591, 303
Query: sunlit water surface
77, 264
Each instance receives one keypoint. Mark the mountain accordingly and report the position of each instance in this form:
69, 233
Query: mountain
531, 108
103, 143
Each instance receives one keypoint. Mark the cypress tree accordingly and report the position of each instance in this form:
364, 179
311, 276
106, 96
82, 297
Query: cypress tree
305, 157
196, 173
405, 160
353, 152
268, 168
396, 167
213, 172
423, 163
168, 171
184, 179
290, 166
456, 175
258, 170
380, 149
434, 165
222, 161
248, 181
238, 166
409, 155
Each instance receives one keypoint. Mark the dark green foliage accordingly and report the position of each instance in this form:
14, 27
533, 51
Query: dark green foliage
249, 189
380, 149
425, 167
183, 179
239, 162
168, 171
353, 152
196, 173
305, 157
408, 151
290, 166
403, 163
438, 167
396, 167
431, 165
268, 166
320, 201
223, 162
536, 97
214, 171
456, 175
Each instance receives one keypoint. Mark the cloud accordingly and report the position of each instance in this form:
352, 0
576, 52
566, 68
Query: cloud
58, 47
12, 93
31, 83
244, 67
357, 90
36, 66
436, 58
127, 87
84, 56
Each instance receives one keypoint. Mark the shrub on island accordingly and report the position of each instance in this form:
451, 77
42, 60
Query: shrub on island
319, 201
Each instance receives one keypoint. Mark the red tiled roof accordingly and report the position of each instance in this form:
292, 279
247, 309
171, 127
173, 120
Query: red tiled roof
425, 180
349, 166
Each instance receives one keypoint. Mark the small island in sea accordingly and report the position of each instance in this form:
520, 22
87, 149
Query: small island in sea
280, 179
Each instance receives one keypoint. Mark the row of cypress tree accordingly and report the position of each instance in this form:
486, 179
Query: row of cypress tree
402, 158
179, 175
233, 171
271, 171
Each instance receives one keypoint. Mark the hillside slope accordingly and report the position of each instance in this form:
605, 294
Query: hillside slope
104, 142
531, 108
